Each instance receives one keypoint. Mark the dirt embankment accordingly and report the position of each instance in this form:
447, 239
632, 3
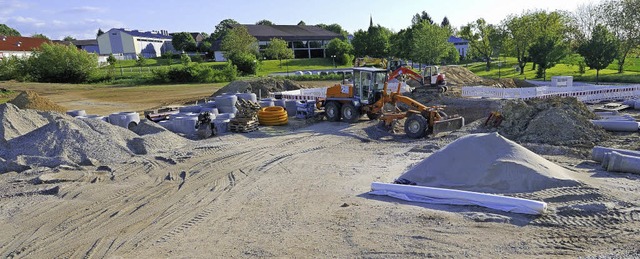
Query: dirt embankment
461, 76
260, 86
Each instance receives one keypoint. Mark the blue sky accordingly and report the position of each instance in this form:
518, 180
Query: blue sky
81, 19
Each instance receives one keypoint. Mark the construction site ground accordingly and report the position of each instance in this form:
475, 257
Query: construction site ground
301, 191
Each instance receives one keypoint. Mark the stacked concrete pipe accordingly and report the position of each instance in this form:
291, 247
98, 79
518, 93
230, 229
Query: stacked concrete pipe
124, 119
226, 103
617, 160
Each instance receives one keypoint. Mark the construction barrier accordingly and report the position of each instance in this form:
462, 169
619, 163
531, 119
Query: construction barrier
587, 94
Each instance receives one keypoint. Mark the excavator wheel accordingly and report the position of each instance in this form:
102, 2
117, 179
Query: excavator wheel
333, 111
416, 126
350, 113
373, 116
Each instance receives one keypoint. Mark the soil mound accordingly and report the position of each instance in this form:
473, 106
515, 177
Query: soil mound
488, 162
261, 86
461, 76
555, 121
31, 100
154, 139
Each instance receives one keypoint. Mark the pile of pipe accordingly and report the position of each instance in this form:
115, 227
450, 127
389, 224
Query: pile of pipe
617, 160
126, 120
614, 121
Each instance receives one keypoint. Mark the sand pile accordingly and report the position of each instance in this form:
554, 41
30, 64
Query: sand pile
556, 121
74, 142
16, 122
490, 163
31, 100
461, 76
259, 86
154, 139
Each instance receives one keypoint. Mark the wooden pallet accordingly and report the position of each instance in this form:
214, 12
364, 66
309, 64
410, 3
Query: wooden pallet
243, 126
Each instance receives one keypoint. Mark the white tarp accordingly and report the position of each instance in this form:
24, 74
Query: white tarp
456, 197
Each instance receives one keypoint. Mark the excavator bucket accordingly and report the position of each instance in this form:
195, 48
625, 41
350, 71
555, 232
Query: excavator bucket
448, 125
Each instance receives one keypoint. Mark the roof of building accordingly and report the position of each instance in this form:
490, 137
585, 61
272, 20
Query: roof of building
144, 34
84, 42
13, 43
453, 39
289, 32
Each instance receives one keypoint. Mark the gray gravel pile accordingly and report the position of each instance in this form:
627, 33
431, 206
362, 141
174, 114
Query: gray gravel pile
69, 141
154, 139
16, 122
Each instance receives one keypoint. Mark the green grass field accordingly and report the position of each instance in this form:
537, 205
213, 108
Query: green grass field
610, 74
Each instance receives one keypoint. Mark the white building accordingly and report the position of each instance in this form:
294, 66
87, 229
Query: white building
461, 45
127, 44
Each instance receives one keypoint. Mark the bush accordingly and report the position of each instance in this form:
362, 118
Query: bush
13, 68
245, 62
57, 63
194, 73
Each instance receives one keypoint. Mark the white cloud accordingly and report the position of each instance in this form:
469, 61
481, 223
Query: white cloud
7, 7
84, 9
58, 29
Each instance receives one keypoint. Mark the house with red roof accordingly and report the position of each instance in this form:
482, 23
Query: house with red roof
19, 46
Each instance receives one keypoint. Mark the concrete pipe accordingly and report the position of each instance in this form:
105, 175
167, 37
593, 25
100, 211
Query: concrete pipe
191, 108
622, 126
76, 113
267, 103
188, 125
630, 102
213, 111
598, 152
611, 113
625, 117
221, 125
623, 163
167, 125
227, 109
280, 102
247, 96
209, 104
292, 107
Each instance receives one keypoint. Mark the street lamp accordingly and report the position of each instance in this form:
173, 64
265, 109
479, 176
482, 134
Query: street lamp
333, 57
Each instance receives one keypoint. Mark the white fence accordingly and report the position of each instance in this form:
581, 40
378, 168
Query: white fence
588, 94
321, 92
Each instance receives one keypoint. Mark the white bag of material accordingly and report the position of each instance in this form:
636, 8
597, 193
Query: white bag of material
456, 197
623, 163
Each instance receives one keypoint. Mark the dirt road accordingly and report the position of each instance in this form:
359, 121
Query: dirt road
302, 193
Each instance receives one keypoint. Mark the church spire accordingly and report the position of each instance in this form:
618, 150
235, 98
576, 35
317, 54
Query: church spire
370, 21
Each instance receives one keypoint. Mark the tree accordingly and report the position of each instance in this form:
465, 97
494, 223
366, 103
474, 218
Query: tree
278, 49
623, 19
342, 49
183, 41
419, 17
69, 38
374, 42
547, 51
264, 22
222, 28
185, 59
301, 23
447, 25
334, 27
401, 43
40, 35
204, 46
112, 60
481, 37
548, 27
584, 20
241, 49
600, 50
520, 37
8, 31
141, 61
57, 63
429, 43
100, 32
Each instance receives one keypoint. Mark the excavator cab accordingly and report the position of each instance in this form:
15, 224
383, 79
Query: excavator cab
433, 77
368, 83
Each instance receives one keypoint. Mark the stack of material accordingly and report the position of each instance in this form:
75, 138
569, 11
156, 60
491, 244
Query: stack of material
246, 119
305, 109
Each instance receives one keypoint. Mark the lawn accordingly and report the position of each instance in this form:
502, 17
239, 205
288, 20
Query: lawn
610, 74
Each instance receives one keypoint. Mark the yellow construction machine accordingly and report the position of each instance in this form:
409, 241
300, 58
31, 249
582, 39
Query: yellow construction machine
369, 95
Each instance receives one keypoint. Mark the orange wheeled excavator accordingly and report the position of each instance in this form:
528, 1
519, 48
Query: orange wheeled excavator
369, 95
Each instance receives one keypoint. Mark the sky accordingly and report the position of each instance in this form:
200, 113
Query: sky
82, 19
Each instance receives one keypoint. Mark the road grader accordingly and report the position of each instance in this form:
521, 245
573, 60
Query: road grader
369, 94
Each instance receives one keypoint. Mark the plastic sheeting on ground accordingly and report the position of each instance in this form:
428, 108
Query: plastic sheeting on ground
456, 197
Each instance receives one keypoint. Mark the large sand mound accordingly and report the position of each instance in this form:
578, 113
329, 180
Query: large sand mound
31, 100
556, 121
461, 76
488, 162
